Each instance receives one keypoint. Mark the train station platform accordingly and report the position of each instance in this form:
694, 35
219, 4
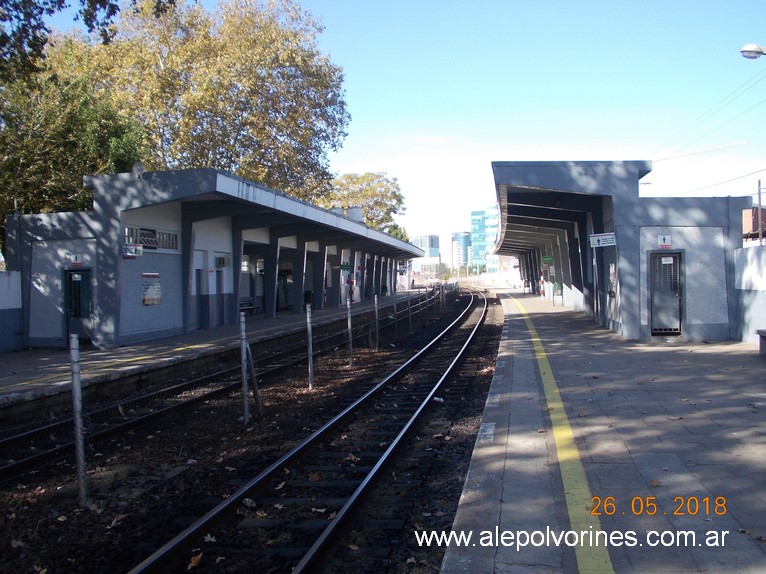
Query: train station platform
35, 373
601, 455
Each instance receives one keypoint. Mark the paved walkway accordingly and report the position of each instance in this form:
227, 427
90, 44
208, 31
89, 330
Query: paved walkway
647, 458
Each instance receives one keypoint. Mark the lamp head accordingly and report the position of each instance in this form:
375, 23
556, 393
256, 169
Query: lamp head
752, 51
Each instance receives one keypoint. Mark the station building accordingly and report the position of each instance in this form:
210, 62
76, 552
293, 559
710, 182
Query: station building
165, 253
643, 267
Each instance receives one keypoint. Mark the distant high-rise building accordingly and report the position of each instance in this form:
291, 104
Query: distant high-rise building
461, 242
428, 243
430, 265
484, 229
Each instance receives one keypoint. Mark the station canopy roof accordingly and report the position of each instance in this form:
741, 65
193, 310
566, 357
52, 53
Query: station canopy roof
209, 193
538, 200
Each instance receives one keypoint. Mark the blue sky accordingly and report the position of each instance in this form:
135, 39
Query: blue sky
438, 89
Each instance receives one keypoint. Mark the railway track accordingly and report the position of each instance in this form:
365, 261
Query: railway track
22, 449
285, 518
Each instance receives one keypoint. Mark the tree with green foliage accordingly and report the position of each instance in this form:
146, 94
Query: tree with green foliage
24, 34
52, 132
379, 196
245, 89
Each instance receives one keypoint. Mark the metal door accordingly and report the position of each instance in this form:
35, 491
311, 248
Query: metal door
77, 302
219, 296
665, 282
200, 307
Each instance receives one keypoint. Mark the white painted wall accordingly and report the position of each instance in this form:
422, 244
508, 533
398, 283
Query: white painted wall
165, 216
750, 269
213, 238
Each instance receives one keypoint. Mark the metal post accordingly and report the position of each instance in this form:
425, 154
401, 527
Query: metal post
251, 368
243, 353
350, 335
311, 347
396, 320
79, 442
377, 324
409, 309
760, 221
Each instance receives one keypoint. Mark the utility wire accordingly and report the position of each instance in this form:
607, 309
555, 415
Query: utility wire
700, 152
727, 122
727, 181
747, 86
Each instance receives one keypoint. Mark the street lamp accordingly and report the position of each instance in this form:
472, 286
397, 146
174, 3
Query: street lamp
752, 51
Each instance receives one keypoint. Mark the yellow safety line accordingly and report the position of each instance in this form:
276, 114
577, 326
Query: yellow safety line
590, 558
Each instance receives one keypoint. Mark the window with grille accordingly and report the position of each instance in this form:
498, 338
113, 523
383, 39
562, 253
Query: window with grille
151, 238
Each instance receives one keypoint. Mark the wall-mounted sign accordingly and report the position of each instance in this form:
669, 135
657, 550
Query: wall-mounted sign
75, 259
664, 241
602, 240
547, 258
151, 292
132, 250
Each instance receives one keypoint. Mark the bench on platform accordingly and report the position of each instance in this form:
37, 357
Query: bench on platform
762, 335
248, 305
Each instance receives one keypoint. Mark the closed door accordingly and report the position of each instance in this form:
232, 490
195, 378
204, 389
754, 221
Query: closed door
666, 293
77, 302
200, 307
220, 301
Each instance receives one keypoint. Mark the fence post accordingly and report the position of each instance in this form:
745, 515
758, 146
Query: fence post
350, 335
79, 442
396, 320
309, 336
251, 368
409, 309
243, 353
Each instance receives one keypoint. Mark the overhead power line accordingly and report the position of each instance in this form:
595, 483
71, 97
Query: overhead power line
723, 103
727, 181
700, 152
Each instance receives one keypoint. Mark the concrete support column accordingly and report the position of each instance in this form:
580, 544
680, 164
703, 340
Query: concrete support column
375, 275
386, 277
187, 273
369, 277
351, 275
318, 282
335, 285
237, 251
270, 278
299, 274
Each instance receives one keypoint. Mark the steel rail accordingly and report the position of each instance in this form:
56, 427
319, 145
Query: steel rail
61, 450
160, 560
325, 538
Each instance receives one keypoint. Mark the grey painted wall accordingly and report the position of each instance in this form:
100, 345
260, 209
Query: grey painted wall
50, 259
139, 321
11, 326
706, 231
